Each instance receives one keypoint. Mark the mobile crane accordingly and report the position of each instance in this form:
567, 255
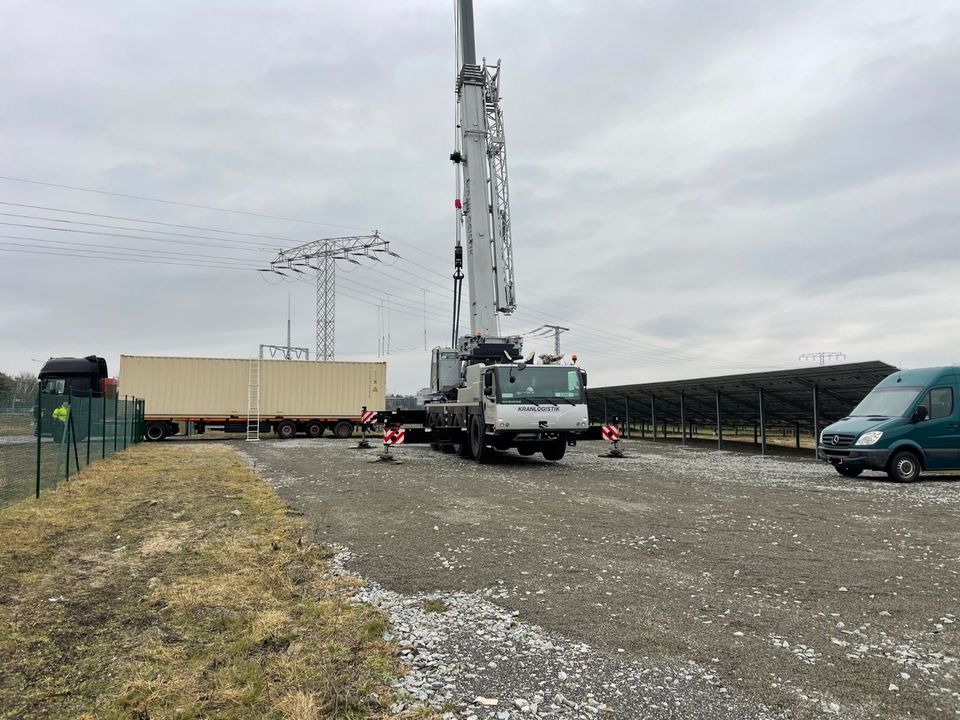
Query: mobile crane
485, 397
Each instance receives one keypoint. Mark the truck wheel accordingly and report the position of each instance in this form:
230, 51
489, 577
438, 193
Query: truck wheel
555, 450
286, 430
462, 446
343, 429
154, 431
526, 451
904, 466
848, 471
314, 429
478, 446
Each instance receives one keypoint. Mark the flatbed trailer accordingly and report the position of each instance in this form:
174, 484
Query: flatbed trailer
158, 427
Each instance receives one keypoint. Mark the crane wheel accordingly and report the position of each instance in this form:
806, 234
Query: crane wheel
478, 446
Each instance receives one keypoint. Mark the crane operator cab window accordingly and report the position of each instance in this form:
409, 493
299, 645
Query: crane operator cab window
539, 383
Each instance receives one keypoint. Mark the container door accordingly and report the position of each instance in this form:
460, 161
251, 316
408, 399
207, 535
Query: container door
939, 434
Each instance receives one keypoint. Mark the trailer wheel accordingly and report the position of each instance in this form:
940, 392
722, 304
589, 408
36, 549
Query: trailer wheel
286, 430
154, 431
478, 446
314, 429
343, 429
554, 450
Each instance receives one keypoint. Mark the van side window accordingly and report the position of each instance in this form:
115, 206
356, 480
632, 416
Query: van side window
940, 403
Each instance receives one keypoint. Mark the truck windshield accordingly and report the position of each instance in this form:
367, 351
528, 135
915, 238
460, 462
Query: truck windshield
539, 382
54, 386
887, 401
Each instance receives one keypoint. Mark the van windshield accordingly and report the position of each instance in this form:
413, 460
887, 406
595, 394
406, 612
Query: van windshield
887, 401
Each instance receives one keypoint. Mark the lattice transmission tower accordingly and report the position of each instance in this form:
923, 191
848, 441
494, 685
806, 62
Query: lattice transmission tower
822, 357
322, 256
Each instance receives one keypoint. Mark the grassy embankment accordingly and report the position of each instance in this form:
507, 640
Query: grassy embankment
172, 582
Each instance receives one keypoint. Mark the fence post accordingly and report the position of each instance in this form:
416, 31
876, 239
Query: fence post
39, 430
116, 409
66, 440
126, 427
103, 423
89, 422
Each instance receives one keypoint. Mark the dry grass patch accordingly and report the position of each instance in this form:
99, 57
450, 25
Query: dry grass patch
170, 582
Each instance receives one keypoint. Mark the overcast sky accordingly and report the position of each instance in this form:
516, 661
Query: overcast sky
697, 188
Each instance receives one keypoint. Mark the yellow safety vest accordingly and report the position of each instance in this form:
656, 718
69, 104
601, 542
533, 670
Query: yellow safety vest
61, 414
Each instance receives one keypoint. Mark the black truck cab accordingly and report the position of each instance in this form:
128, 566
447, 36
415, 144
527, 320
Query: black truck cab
74, 376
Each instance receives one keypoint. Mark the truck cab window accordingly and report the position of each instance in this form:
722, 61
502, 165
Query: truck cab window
54, 387
940, 403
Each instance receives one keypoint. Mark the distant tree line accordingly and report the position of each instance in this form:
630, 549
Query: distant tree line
22, 383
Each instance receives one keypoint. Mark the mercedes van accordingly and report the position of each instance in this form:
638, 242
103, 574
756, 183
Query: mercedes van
907, 424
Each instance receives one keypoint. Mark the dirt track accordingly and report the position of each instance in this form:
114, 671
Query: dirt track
801, 590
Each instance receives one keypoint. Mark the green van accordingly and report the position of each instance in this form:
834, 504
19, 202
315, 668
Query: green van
908, 423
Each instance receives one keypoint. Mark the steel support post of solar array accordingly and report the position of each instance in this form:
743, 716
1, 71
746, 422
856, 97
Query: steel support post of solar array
626, 406
816, 418
653, 416
683, 425
796, 433
604, 409
763, 426
719, 425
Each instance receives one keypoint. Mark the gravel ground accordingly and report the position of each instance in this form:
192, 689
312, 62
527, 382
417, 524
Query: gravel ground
675, 583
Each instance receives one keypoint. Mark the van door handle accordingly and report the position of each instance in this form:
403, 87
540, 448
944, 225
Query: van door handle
952, 426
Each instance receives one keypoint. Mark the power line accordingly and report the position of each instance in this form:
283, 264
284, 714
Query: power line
240, 263
178, 203
239, 244
128, 236
104, 256
150, 222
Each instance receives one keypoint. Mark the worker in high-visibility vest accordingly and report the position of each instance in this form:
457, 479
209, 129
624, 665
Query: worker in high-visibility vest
61, 415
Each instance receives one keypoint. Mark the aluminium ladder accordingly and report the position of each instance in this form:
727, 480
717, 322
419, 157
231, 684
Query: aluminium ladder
253, 402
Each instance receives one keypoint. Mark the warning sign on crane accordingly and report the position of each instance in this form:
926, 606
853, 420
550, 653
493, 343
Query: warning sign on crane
395, 436
610, 433
368, 417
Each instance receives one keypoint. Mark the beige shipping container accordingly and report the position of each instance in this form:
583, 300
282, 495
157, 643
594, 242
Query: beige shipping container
183, 387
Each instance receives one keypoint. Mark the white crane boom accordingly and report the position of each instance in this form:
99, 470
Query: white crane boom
486, 203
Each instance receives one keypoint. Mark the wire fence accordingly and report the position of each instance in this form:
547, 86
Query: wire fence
47, 438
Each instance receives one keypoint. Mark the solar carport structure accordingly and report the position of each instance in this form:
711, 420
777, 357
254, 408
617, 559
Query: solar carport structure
806, 399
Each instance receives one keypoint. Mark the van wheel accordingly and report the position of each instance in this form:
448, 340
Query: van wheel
314, 429
904, 467
155, 431
286, 430
848, 471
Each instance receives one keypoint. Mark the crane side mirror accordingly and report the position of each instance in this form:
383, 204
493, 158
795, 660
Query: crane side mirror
488, 380
583, 375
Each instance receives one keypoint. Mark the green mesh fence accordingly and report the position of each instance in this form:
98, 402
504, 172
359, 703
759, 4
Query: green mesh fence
45, 439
